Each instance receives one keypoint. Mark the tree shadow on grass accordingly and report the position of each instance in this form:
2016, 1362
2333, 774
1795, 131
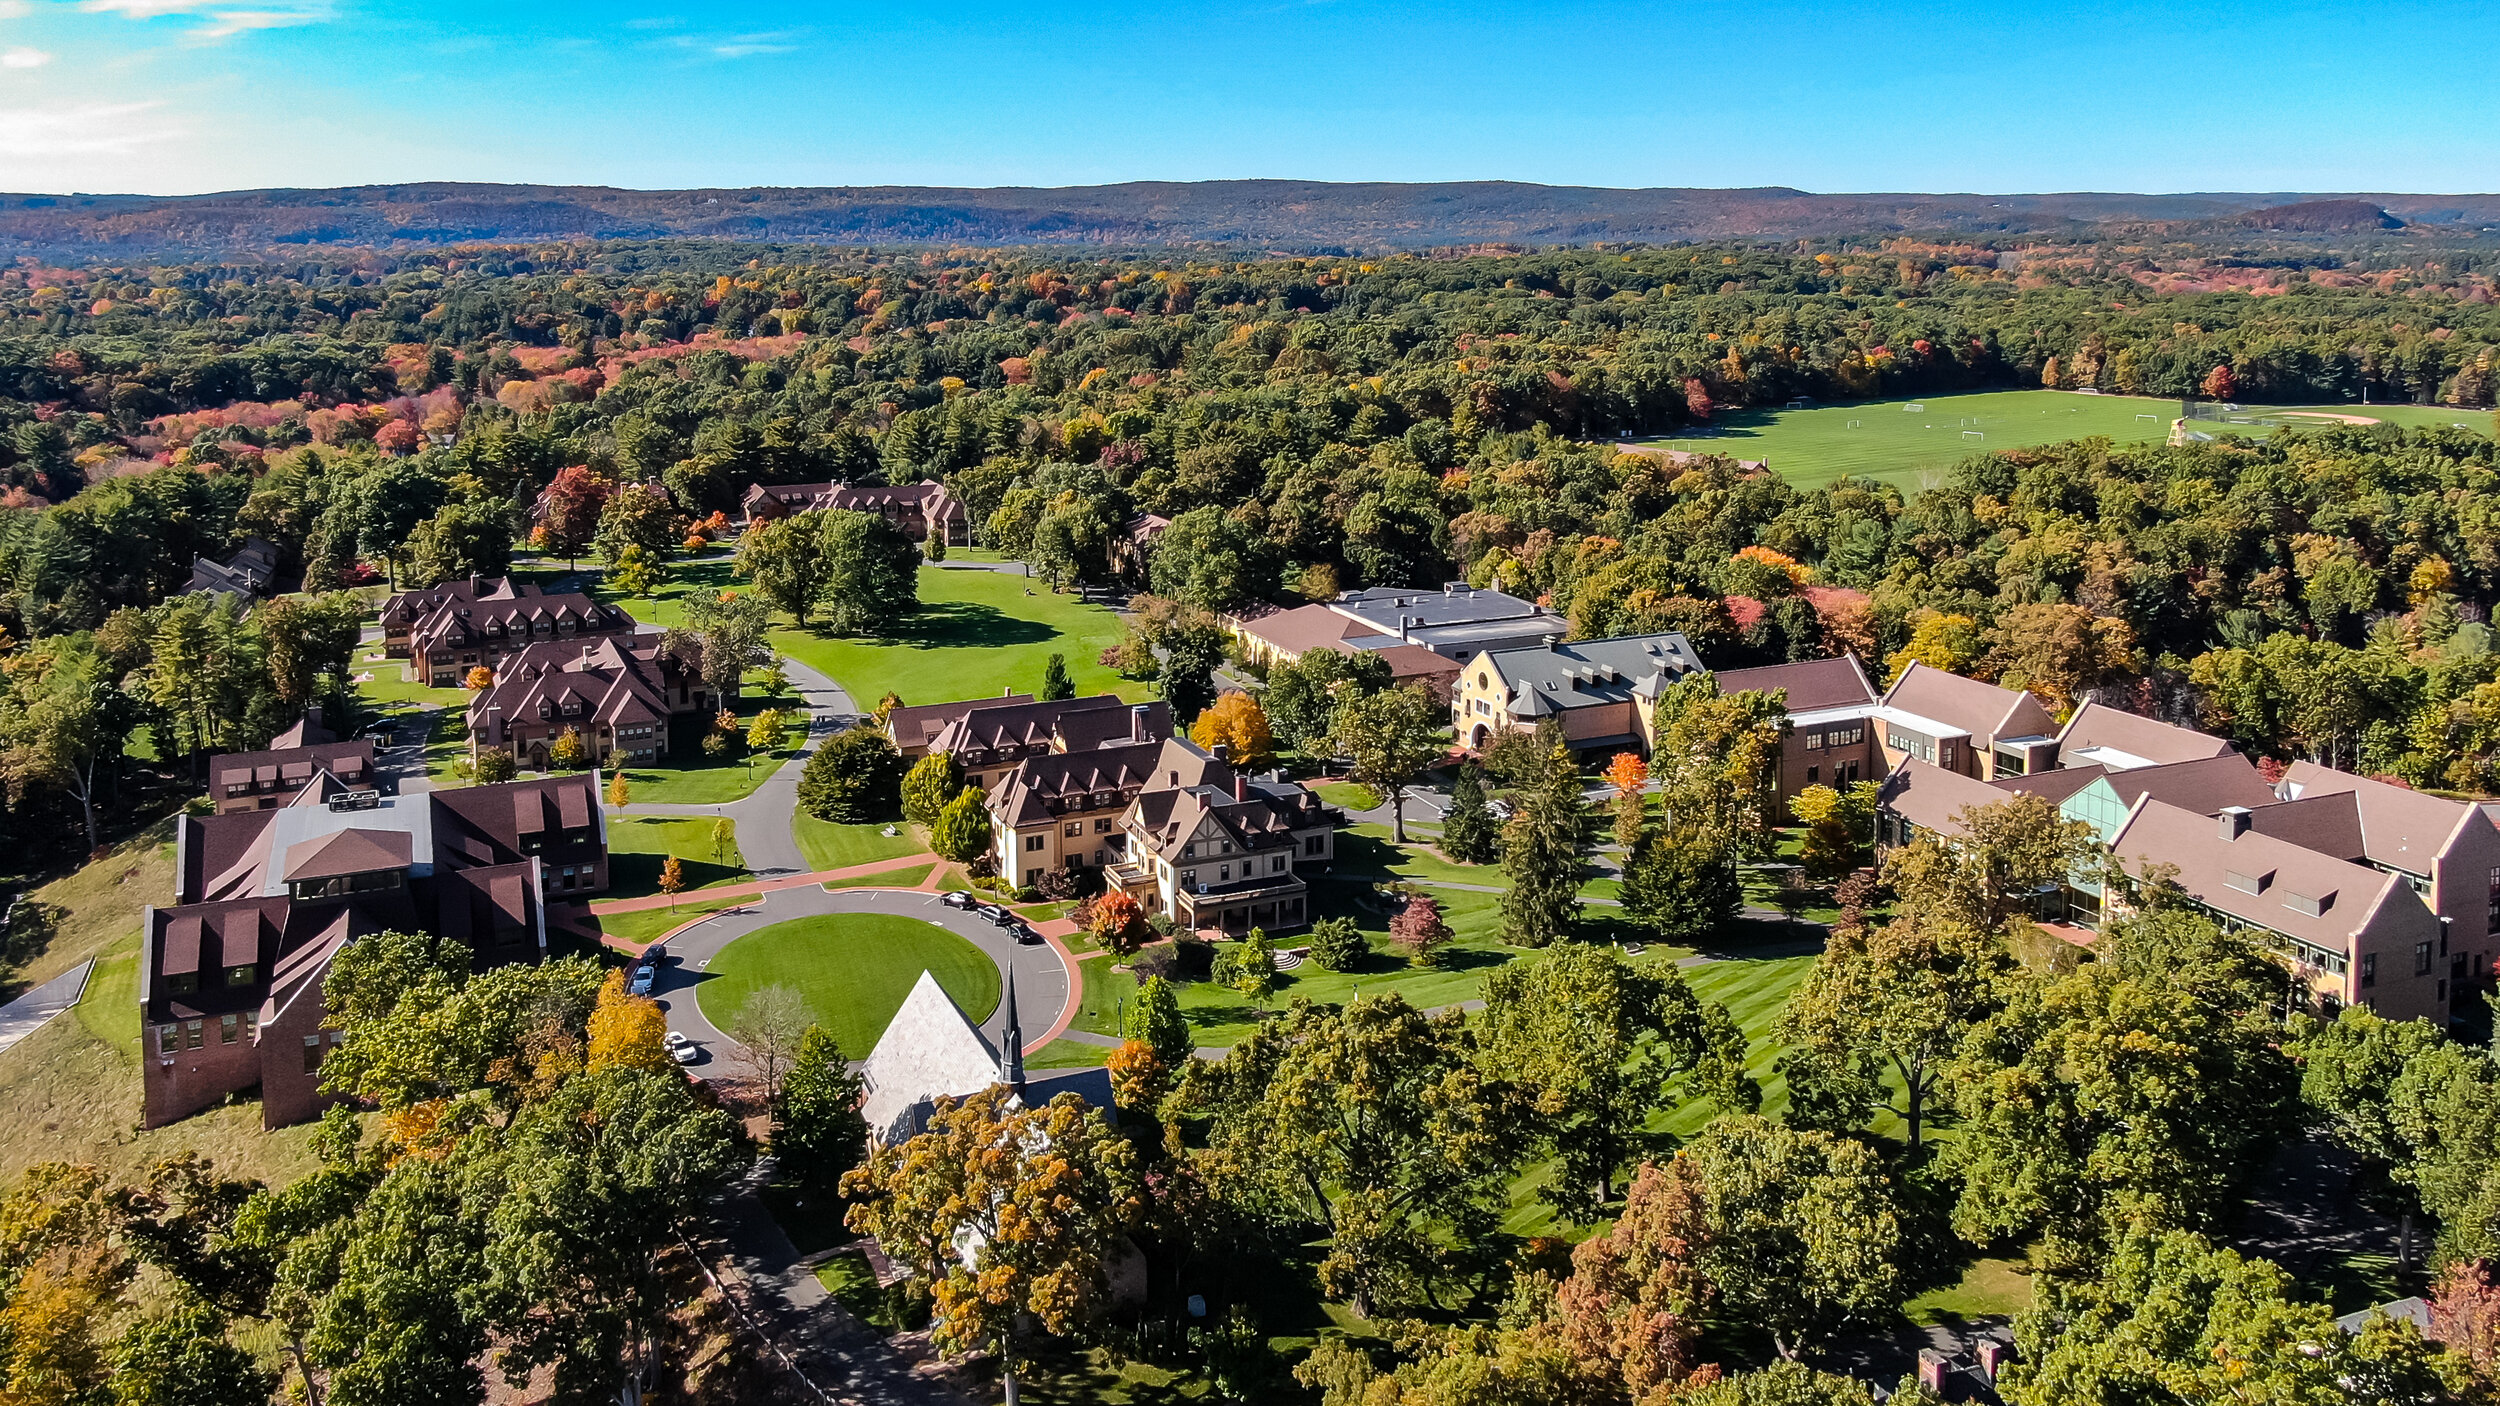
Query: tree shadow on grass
953, 625
633, 875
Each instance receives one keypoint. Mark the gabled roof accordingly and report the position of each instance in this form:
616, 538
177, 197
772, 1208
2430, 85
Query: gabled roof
457, 622
1305, 628
605, 681
1099, 720
1813, 685
917, 726
2204, 786
929, 1051
1980, 709
2101, 735
349, 761
343, 852
411, 606
1025, 795
1264, 818
2399, 828
1929, 797
2259, 878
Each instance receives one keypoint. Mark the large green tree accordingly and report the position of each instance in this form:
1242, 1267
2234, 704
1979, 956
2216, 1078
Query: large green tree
1883, 1009
1541, 846
872, 573
1387, 739
1597, 1044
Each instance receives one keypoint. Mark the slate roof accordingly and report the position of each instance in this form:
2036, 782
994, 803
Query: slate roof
915, 726
459, 624
408, 607
1978, 709
929, 1051
1055, 782
606, 681
1588, 672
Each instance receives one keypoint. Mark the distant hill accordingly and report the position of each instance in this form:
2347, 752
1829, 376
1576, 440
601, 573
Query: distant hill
2322, 217
1302, 215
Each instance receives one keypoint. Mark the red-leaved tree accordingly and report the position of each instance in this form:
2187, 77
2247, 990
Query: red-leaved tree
2220, 384
1419, 931
569, 512
1119, 924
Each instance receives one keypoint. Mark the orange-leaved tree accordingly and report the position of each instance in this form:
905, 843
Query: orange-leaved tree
1119, 923
1236, 721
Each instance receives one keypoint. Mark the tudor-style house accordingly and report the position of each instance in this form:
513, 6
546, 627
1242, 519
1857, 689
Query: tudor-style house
402, 612
1061, 810
1224, 852
913, 507
267, 779
460, 634
230, 974
617, 694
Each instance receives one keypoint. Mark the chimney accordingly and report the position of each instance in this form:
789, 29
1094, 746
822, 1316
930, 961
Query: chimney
1933, 1368
1222, 752
1176, 779
1993, 1355
2234, 822
1241, 787
1137, 722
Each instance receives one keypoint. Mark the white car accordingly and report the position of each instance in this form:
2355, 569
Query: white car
680, 1048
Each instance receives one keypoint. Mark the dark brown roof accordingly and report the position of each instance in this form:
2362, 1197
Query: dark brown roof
344, 852
2097, 725
1813, 684
347, 760
916, 725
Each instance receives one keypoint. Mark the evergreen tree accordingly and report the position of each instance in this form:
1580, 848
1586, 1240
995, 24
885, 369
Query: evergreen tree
821, 1134
1541, 849
1338, 945
1467, 832
1056, 685
1155, 1017
1681, 885
961, 831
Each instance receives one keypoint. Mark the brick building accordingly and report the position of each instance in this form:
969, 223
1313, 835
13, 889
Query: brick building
230, 977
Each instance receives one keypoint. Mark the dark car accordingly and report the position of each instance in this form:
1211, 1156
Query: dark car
958, 898
997, 915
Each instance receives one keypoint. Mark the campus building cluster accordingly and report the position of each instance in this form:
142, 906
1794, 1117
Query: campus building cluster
1102, 785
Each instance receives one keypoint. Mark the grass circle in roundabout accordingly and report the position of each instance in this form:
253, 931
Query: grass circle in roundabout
853, 969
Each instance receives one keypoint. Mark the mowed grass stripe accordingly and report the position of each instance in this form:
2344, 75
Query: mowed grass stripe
853, 970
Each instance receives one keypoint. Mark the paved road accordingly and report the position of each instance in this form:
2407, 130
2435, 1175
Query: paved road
1041, 980
765, 836
32, 1011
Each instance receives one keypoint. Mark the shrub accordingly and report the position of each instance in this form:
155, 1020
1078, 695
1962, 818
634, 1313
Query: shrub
494, 765
1337, 945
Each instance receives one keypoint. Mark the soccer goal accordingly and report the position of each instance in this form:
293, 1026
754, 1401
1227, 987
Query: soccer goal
1912, 409
1980, 435
2154, 418
1855, 424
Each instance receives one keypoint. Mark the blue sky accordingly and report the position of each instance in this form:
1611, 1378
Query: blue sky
175, 96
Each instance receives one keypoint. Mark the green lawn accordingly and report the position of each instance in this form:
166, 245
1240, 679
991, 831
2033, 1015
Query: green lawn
1068, 1054
663, 607
1754, 992
688, 777
908, 877
1347, 795
853, 969
1988, 1288
977, 633
830, 846
1892, 441
638, 845
649, 924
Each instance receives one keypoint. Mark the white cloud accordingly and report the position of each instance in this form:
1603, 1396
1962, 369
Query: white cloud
225, 24
15, 9
22, 57
140, 9
749, 45
86, 129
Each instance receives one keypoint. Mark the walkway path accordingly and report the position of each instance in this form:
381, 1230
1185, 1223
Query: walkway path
34, 1010
776, 1287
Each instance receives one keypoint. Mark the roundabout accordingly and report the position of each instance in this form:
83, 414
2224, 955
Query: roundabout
852, 969
853, 954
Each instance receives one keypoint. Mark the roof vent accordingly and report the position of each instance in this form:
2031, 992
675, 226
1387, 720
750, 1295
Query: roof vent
2233, 822
2314, 907
2248, 883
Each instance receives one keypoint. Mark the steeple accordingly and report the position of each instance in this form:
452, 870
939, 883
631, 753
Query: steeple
1011, 1042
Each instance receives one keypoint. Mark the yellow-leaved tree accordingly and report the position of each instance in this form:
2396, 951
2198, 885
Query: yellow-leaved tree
627, 1030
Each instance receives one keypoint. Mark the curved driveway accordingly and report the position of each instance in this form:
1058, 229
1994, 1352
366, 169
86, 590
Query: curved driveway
1041, 979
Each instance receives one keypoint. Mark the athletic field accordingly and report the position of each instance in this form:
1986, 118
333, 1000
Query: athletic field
1912, 442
